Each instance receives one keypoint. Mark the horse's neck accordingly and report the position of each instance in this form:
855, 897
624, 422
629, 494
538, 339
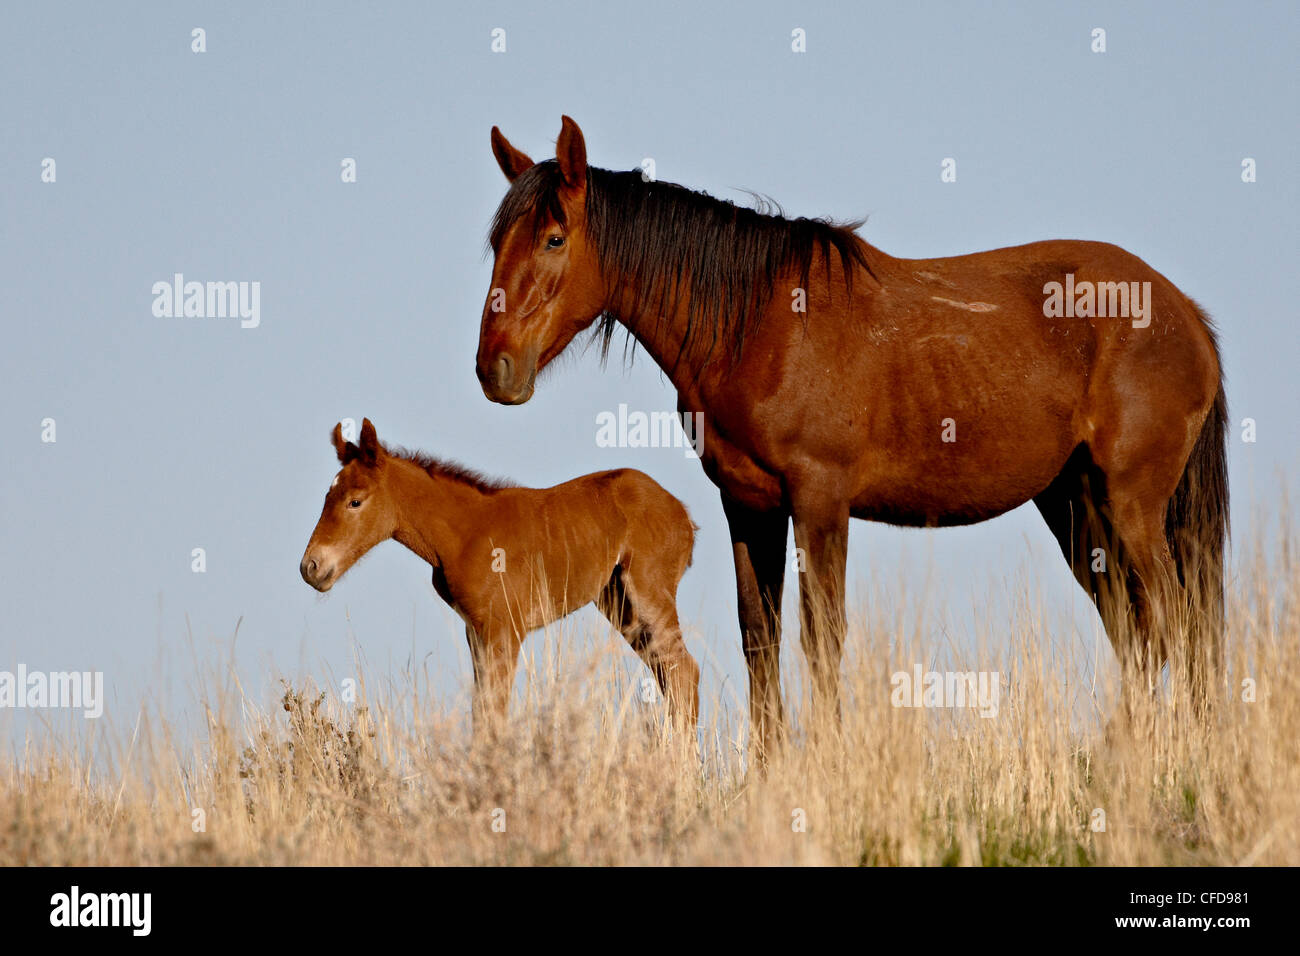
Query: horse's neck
664, 338
433, 511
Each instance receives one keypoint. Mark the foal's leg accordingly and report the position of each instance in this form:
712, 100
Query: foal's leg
494, 652
649, 623
821, 530
758, 547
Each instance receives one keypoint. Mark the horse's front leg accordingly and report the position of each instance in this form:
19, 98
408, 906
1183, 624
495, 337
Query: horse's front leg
758, 548
821, 535
495, 654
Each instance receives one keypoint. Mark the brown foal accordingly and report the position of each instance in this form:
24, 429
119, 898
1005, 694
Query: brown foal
510, 560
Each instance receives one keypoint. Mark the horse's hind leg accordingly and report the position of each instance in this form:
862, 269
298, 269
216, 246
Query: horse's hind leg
1143, 466
1153, 575
1075, 508
648, 621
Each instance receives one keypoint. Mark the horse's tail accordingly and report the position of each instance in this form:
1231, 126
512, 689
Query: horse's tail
1196, 525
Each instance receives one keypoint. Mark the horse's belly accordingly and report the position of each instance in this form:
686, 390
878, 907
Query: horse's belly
914, 512
956, 492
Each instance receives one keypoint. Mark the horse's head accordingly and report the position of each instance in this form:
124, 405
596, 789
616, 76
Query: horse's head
546, 279
359, 510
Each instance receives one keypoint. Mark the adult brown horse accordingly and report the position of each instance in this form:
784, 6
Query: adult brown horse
837, 381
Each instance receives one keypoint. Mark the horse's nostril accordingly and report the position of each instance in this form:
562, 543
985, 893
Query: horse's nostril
504, 370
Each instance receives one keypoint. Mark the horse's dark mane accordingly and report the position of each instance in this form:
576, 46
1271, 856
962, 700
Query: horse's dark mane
441, 468
665, 241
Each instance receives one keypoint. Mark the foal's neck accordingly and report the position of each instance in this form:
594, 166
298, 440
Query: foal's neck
433, 510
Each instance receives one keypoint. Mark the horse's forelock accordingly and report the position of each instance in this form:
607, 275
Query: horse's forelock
535, 194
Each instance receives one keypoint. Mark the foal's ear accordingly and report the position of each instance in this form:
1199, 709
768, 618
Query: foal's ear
571, 154
369, 442
511, 161
345, 450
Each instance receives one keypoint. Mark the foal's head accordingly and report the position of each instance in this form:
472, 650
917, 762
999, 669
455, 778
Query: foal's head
546, 279
359, 512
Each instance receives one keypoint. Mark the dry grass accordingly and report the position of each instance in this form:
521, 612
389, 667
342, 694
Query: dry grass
584, 775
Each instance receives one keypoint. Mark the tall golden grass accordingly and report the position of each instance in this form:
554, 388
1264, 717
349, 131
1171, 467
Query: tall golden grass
586, 774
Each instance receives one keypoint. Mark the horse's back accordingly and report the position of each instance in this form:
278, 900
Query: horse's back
653, 518
979, 386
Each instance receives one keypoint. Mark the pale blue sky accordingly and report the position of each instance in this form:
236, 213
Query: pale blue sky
183, 433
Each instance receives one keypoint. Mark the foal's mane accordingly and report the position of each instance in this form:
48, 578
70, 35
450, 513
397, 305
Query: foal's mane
441, 468
671, 243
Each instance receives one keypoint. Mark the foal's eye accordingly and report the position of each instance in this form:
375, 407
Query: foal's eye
554, 242
354, 503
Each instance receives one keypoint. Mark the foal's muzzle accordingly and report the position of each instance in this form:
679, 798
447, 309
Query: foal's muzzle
322, 579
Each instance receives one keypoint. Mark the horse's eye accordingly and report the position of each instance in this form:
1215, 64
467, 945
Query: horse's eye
554, 242
354, 503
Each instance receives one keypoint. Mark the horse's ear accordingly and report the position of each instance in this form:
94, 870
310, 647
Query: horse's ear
511, 161
571, 154
369, 441
344, 449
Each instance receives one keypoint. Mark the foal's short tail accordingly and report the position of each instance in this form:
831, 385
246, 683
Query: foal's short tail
1197, 528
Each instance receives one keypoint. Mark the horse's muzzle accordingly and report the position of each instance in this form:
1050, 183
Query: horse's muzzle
319, 578
504, 383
